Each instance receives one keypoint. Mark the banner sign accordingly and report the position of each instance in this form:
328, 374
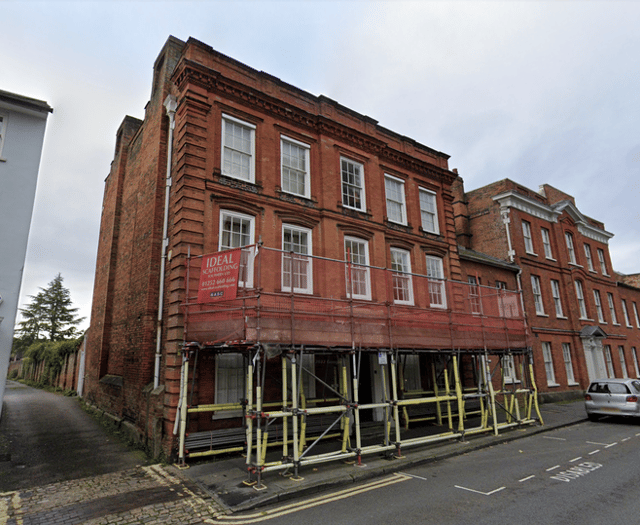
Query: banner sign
219, 276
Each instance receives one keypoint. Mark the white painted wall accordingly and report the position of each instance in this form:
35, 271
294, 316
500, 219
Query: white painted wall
24, 125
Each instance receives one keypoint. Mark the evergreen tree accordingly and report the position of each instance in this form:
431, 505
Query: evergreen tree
50, 315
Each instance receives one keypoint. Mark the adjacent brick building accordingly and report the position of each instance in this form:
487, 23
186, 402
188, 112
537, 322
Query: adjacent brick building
359, 256
583, 315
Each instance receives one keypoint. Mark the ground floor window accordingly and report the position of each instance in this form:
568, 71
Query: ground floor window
609, 360
229, 382
548, 364
568, 364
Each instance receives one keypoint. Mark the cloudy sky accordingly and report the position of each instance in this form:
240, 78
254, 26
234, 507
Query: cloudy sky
538, 92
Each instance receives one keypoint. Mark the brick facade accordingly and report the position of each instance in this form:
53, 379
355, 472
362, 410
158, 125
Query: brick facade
218, 191
500, 215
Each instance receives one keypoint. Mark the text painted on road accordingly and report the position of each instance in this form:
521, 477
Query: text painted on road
582, 469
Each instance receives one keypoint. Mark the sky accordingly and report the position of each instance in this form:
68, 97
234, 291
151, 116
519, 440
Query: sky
534, 91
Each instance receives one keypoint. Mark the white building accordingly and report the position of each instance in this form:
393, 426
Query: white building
22, 126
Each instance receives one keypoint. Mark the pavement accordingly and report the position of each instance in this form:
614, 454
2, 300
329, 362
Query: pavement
206, 491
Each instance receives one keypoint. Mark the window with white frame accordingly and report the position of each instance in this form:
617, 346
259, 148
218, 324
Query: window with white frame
237, 231
429, 211
570, 249
508, 369
623, 361
609, 361
396, 207
526, 233
557, 301
587, 254
612, 308
435, 275
634, 355
402, 282
296, 265
546, 243
635, 314
3, 131
537, 294
548, 364
568, 364
294, 159
356, 251
598, 303
230, 382
603, 264
238, 149
581, 304
352, 184
625, 312
474, 294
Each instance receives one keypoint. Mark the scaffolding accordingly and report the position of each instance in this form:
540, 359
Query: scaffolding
394, 375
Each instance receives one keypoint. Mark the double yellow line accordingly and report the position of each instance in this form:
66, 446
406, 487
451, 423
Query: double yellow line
310, 503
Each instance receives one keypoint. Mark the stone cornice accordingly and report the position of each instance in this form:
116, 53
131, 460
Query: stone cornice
512, 199
585, 229
192, 72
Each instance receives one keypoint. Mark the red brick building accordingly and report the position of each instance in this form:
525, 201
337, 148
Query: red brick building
583, 315
352, 299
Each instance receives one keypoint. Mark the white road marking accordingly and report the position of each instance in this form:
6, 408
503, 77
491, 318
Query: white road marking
550, 437
626, 439
526, 479
594, 452
553, 468
575, 459
599, 444
478, 492
612, 445
413, 476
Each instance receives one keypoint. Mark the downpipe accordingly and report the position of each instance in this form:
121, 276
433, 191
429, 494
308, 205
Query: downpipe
170, 105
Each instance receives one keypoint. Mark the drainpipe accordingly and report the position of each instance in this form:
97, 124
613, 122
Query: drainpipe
504, 213
170, 104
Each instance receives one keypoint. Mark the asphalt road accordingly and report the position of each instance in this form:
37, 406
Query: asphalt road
52, 439
584, 474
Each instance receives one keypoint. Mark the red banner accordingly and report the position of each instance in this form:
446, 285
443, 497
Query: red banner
219, 276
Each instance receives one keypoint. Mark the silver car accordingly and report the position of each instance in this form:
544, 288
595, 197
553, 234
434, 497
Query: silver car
612, 397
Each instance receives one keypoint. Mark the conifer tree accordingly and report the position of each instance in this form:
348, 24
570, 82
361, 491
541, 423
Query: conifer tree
50, 315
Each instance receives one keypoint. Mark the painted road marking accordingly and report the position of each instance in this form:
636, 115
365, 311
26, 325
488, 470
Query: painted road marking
478, 492
414, 476
10, 501
310, 503
612, 445
599, 444
594, 452
556, 438
575, 459
577, 471
626, 439
526, 479
553, 468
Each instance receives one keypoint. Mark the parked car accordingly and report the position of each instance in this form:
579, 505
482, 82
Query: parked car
613, 397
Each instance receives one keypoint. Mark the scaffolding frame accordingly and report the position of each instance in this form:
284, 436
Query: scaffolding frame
502, 394
498, 402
